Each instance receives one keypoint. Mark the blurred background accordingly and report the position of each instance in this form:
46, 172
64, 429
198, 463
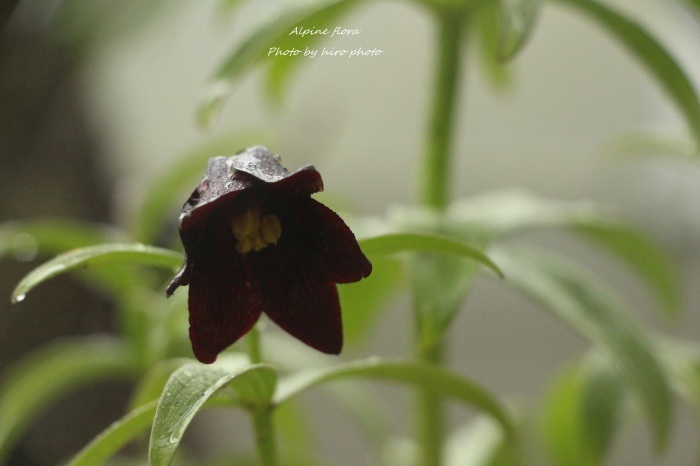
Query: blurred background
97, 98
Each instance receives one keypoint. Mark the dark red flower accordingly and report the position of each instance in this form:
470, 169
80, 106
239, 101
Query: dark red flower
255, 241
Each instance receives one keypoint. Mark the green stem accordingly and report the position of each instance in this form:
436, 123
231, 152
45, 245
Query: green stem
435, 194
430, 412
435, 189
262, 416
254, 351
265, 436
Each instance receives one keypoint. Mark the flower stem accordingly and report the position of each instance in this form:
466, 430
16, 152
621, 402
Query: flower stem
254, 351
262, 415
265, 436
435, 189
435, 194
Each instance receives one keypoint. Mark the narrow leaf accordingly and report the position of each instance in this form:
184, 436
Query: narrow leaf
191, 386
507, 213
583, 410
419, 242
122, 253
643, 256
652, 54
436, 379
488, 28
561, 424
517, 22
602, 406
116, 436
683, 361
590, 309
694, 4
46, 375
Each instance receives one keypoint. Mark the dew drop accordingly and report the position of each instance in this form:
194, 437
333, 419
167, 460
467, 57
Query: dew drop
19, 297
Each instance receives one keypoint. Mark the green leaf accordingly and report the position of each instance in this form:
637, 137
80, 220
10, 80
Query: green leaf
421, 242
583, 411
683, 361
489, 24
507, 213
47, 374
590, 309
517, 22
255, 48
435, 379
695, 4
643, 256
439, 281
170, 190
561, 419
352, 397
602, 406
191, 386
116, 436
47, 236
281, 68
652, 54
439, 285
121, 253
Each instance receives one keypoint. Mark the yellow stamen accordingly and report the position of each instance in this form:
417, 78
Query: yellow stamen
253, 231
270, 228
246, 224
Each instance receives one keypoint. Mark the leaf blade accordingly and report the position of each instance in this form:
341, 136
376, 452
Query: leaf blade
663, 67
517, 23
104, 253
50, 372
582, 302
117, 435
420, 375
394, 243
191, 386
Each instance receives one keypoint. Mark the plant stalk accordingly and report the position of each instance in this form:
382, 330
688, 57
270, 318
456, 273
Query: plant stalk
254, 349
438, 149
431, 415
435, 194
265, 436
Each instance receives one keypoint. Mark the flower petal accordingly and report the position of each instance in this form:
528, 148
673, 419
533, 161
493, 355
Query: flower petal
309, 310
297, 299
258, 162
333, 244
222, 303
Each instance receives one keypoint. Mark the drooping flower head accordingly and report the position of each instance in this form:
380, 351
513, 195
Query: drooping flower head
255, 241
